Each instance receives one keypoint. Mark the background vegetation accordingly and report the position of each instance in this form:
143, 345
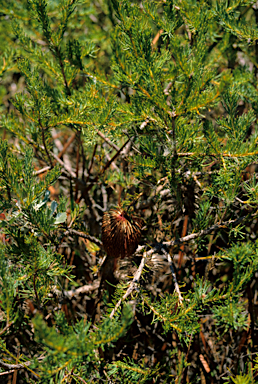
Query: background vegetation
150, 106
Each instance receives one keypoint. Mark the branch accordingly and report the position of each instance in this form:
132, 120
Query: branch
6, 327
108, 141
156, 38
45, 145
67, 144
43, 170
75, 292
81, 234
11, 367
106, 166
14, 366
7, 372
132, 286
59, 56
204, 232
71, 172
173, 275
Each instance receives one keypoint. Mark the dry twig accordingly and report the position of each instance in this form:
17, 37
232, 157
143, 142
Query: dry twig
132, 285
173, 275
14, 366
93, 239
75, 292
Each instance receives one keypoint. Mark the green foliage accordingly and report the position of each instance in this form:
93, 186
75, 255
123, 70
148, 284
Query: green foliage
151, 106
241, 379
75, 347
131, 372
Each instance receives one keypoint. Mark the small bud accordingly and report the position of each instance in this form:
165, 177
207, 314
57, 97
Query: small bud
121, 233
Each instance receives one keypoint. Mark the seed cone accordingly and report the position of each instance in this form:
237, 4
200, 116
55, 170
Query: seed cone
121, 233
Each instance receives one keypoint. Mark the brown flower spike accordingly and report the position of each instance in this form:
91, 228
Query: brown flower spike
121, 233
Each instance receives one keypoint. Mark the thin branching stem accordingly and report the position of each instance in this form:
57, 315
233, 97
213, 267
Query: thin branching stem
173, 275
132, 285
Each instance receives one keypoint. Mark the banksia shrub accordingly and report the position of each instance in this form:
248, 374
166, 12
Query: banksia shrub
121, 233
153, 103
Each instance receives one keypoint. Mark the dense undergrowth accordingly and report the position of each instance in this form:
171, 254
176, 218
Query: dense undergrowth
150, 106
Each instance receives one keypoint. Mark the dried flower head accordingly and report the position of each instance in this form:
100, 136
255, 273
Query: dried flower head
121, 233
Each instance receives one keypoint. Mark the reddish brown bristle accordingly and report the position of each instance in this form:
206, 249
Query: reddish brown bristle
120, 233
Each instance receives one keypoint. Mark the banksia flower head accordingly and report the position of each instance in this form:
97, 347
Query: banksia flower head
121, 233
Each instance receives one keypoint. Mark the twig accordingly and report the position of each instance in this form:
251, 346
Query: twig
77, 172
80, 378
163, 318
173, 275
113, 166
93, 239
91, 162
174, 135
181, 252
6, 327
132, 286
7, 372
182, 154
106, 166
156, 38
108, 141
204, 232
44, 142
145, 123
67, 144
14, 366
204, 363
105, 197
75, 292
71, 173
18, 366
36, 173
58, 54
127, 147
166, 90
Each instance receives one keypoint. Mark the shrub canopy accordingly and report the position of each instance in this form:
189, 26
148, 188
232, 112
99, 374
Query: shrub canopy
150, 107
